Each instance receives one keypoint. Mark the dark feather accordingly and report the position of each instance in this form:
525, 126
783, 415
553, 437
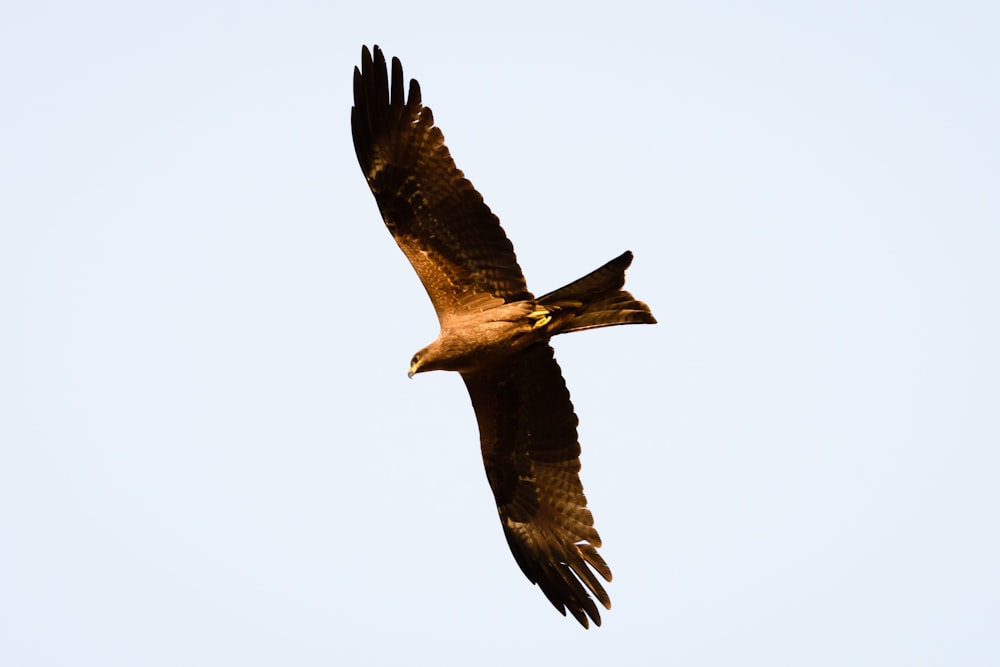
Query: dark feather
452, 239
527, 431
597, 300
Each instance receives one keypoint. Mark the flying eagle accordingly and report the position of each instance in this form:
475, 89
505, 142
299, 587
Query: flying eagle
495, 333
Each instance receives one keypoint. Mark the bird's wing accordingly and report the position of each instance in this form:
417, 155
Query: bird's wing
528, 434
452, 239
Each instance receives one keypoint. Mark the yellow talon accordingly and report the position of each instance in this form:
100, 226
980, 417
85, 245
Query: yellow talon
541, 317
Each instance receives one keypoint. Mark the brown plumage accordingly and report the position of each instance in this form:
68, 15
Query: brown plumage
494, 333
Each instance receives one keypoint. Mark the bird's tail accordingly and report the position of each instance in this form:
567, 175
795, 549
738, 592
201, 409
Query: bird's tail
597, 300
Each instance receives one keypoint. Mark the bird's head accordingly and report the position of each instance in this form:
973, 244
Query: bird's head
417, 364
414, 366
431, 358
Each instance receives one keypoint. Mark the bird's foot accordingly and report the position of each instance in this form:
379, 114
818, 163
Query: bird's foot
540, 317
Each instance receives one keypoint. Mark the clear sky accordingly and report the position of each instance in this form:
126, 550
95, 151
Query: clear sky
210, 453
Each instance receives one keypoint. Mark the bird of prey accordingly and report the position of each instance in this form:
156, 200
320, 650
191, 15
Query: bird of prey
494, 332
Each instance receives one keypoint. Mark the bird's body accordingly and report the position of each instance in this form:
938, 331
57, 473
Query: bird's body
494, 332
470, 339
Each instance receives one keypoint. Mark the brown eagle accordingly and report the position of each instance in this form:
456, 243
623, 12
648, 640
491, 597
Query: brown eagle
494, 333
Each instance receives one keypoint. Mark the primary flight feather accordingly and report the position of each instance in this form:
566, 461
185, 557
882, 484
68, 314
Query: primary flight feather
494, 332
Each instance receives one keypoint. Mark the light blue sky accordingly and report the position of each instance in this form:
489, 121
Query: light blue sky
209, 450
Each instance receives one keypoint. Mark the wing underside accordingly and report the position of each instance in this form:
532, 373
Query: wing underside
441, 223
532, 457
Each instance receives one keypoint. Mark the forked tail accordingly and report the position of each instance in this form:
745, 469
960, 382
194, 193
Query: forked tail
597, 300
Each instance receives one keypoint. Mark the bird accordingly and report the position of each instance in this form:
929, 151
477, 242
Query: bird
494, 333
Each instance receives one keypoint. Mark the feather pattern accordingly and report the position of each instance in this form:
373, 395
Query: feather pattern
527, 430
451, 237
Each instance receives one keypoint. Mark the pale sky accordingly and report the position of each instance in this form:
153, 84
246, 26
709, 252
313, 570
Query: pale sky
210, 453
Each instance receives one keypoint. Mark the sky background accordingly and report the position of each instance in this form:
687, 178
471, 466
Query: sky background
210, 453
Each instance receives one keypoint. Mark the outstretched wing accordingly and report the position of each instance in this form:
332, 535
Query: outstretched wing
452, 239
527, 429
